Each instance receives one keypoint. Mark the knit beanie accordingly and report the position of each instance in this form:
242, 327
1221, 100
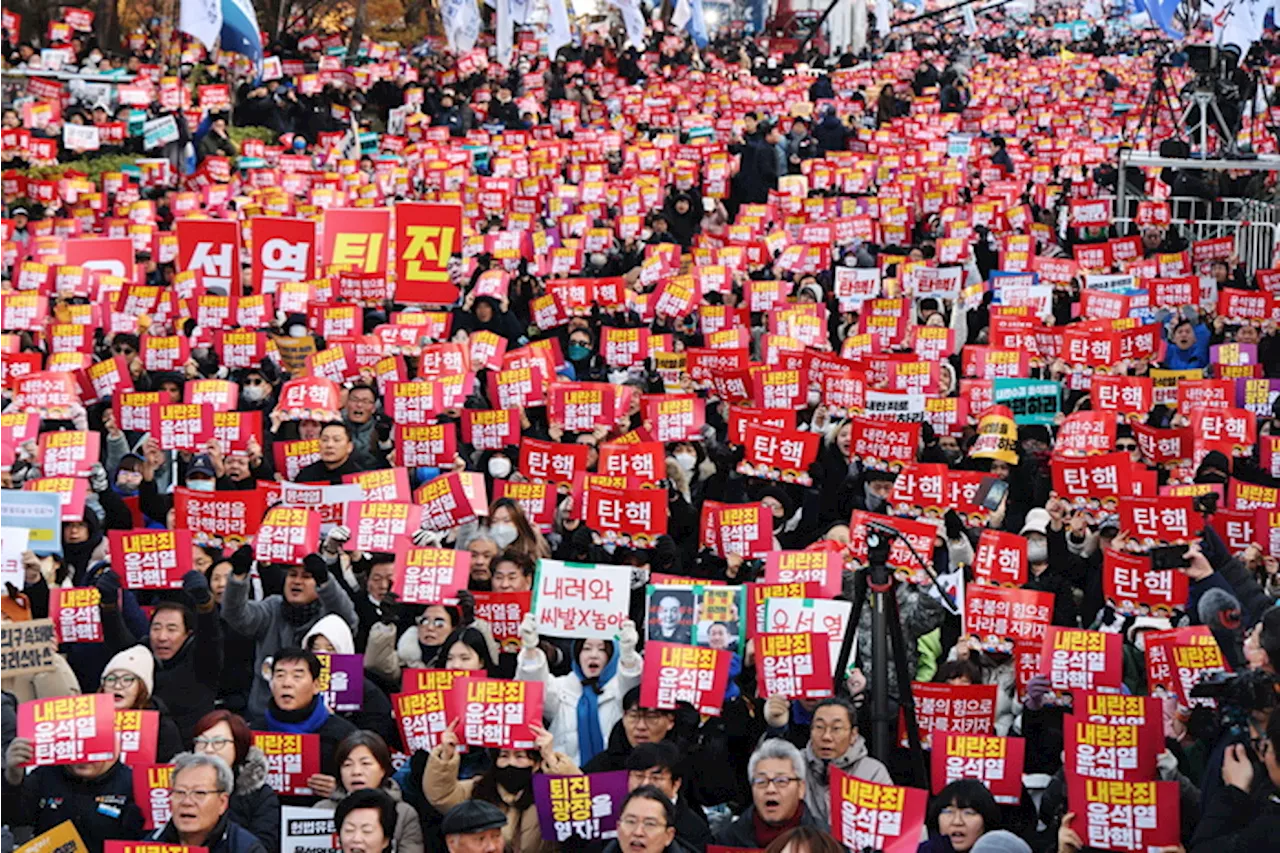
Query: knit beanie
136, 660
1000, 841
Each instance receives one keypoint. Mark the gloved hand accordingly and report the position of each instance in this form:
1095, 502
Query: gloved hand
317, 567
466, 607
333, 542
108, 586
389, 613
528, 633
777, 712
98, 478
197, 589
627, 641
1167, 764
242, 561
382, 425
424, 538
1037, 691
20, 754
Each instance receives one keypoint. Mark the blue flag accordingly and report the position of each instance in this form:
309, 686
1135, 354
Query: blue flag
240, 33
1162, 12
697, 25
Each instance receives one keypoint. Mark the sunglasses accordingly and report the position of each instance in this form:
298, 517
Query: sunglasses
255, 381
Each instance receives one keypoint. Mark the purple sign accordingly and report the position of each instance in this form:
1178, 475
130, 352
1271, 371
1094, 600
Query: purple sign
1257, 395
583, 806
1234, 354
342, 681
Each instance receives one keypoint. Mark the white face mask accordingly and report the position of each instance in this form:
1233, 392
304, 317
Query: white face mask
202, 485
500, 467
503, 533
815, 397
255, 393
686, 461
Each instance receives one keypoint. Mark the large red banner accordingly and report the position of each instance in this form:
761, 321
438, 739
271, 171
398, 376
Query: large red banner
211, 249
427, 235
356, 239
283, 250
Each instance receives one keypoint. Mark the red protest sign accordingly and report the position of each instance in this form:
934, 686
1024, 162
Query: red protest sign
745, 530
292, 759
884, 445
356, 238
824, 568
1108, 750
677, 417
68, 453
430, 575
1089, 433
287, 535
1166, 520
211, 249
180, 426
994, 761
646, 461
490, 429
1128, 816
379, 526
1115, 709
1075, 659
284, 249
914, 534
69, 729
868, 815
138, 734
495, 713
420, 706
678, 673
796, 666
445, 503
1132, 587
581, 406
998, 618
1000, 559
628, 516
504, 612
547, 460
219, 518
427, 236
151, 559
958, 708
75, 614
520, 387
151, 786
774, 453
1162, 678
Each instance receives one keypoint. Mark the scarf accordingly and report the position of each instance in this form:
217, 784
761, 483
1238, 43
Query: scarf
590, 736
300, 615
765, 833
304, 721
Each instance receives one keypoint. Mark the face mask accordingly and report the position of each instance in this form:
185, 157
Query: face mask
500, 467
297, 330
1140, 641
686, 461
128, 480
503, 533
953, 455
874, 501
202, 485
579, 352
815, 397
513, 779
599, 260
255, 393
1037, 551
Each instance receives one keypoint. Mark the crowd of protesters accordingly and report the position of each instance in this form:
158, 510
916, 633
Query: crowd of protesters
234, 651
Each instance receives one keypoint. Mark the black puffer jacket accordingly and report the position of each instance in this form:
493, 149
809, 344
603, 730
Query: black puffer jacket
254, 805
101, 809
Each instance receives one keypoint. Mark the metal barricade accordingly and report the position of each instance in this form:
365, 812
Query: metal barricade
1257, 243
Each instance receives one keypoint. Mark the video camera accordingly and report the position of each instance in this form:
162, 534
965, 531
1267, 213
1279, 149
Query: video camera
1251, 690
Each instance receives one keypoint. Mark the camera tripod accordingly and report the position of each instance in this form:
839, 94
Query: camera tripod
877, 585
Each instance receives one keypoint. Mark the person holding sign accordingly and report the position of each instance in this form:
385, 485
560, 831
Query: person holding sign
129, 680
586, 703
200, 797
81, 790
777, 775
507, 785
332, 636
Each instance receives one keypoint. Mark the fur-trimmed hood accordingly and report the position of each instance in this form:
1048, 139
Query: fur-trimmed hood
252, 772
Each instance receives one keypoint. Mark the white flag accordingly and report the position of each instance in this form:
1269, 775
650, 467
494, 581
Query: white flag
461, 20
882, 18
202, 19
506, 32
632, 20
558, 34
682, 14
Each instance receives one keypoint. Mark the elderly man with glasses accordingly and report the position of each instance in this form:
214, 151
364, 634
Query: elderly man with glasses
778, 787
199, 796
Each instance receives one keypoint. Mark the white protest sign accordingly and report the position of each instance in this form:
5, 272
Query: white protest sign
939, 282
159, 131
13, 541
812, 616
80, 137
307, 830
855, 285
581, 600
330, 501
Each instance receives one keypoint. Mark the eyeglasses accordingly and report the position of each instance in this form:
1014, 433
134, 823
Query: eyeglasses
834, 731
125, 351
644, 777
125, 680
211, 744
255, 381
780, 782
637, 715
197, 796
650, 824
1128, 445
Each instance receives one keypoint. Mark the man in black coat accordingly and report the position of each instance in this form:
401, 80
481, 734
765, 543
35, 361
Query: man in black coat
1235, 821
96, 796
337, 456
777, 775
202, 820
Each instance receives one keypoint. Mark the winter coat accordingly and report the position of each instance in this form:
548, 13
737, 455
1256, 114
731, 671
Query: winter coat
169, 737
742, 832
856, 762
331, 732
375, 712
227, 837
560, 699
102, 809
264, 620
408, 835
522, 833
254, 804
1234, 822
